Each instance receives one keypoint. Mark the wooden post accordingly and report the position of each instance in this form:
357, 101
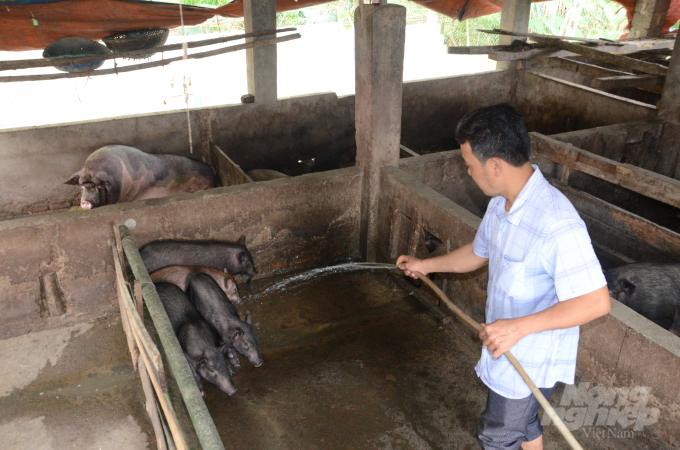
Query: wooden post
669, 106
379, 36
261, 62
514, 17
649, 18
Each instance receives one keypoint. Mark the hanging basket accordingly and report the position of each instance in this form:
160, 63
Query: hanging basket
72, 47
129, 41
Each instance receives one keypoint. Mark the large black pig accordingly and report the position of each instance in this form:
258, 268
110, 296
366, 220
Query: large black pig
213, 304
231, 257
650, 289
120, 174
197, 338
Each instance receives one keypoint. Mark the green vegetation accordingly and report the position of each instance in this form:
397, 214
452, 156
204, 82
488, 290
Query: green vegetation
579, 18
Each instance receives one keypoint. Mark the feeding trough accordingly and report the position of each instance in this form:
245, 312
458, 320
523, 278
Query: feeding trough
75, 47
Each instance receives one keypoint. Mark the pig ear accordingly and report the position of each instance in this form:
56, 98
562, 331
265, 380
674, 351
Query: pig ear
106, 179
249, 318
242, 240
237, 335
224, 348
75, 179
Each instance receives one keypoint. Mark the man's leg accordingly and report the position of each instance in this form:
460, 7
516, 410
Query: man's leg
536, 444
510, 423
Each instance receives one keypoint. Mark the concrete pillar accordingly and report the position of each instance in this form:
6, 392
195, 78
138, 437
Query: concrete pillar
514, 17
379, 36
648, 18
259, 15
669, 105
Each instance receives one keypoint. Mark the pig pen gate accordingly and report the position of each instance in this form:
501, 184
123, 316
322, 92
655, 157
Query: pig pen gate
374, 211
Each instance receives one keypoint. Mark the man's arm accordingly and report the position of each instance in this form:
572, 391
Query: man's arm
501, 335
461, 260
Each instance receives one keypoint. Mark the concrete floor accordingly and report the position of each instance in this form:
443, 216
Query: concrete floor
71, 388
351, 362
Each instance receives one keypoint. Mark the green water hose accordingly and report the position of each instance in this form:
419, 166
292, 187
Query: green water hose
474, 324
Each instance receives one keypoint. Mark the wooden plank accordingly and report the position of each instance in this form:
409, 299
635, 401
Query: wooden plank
589, 70
547, 36
627, 81
645, 182
407, 152
166, 406
229, 172
138, 299
547, 52
600, 55
477, 49
151, 407
41, 62
149, 65
625, 222
144, 341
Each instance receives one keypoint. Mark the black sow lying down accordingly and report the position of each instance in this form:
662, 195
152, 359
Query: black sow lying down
197, 338
231, 257
650, 289
215, 307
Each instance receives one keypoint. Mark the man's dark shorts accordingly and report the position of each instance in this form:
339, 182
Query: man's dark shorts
506, 423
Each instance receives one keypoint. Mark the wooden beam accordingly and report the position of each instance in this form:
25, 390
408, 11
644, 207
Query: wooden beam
589, 70
42, 62
407, 152
228, 171
669, 106
569, 38
627, 81
148, 65
477, 49
622, 230
151, 407
645, 182
514, 18
546, 52
599, 55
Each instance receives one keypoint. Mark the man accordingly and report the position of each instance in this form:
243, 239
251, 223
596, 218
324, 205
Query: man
544, 277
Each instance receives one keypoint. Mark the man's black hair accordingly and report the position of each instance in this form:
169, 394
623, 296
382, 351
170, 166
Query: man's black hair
496, 131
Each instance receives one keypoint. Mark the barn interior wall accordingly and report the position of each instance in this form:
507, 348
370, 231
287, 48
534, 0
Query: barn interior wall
552, 106
288, 224
651, 145
37, 160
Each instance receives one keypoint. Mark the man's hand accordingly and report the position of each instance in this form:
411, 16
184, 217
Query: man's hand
410, 265
499, 336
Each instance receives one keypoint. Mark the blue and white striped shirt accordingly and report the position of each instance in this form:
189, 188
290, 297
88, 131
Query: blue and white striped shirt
539, 253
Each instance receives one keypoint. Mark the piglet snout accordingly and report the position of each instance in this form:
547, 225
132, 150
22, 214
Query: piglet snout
86, 205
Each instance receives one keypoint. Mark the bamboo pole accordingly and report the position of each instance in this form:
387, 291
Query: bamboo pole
200, 417
35, 63
460, 313
149, 65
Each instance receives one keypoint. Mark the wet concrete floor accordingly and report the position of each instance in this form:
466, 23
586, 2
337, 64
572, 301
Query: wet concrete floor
354, 362
71, 388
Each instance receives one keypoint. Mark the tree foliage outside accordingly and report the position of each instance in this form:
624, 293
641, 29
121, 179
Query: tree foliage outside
579, 18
